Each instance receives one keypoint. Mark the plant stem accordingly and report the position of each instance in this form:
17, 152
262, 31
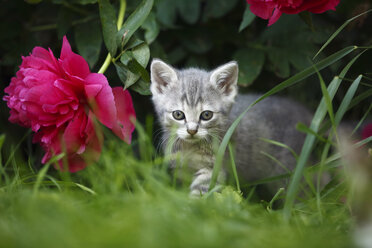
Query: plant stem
54, 26
106, 64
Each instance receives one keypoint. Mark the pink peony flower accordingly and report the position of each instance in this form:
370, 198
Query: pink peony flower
273, 9
60, 99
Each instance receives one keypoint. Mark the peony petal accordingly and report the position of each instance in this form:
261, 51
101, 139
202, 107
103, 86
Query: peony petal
322, 6
34, 77
101, 101
75, 163
262, 9
72, 63
92, 90
276, 15
126, 115
78, 161
73, 140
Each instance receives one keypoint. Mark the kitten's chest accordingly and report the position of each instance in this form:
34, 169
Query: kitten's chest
197, 158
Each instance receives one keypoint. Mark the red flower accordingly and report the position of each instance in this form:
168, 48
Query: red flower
60, 99
367, 131
273, 9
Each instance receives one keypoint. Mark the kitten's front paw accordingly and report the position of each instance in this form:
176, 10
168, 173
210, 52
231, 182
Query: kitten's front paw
200, 184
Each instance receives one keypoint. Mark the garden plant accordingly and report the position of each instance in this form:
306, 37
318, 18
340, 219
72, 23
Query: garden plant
80, 157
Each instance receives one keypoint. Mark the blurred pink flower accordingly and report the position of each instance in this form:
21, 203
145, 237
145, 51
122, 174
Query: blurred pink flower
273, 9
367, 131
60, 99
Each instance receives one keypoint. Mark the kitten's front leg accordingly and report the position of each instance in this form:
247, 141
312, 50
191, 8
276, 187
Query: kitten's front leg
201, 181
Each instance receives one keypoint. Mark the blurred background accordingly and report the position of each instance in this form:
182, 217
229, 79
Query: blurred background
200, 33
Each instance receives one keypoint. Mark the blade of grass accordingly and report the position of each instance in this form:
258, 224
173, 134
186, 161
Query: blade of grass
276, 143
327, 100
233, 167
2, 171
310, 169
347, 99
16, 148
43, 171
303, 128
362, 120
289, 82
360, 98
276, 196
145, 147
85, 188
309, 141
276, 161
338, 31
307, 148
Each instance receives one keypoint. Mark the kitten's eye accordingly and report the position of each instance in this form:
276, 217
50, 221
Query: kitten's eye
178, 115
206, 115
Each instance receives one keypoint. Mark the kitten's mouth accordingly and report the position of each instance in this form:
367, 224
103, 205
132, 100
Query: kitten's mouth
191, 139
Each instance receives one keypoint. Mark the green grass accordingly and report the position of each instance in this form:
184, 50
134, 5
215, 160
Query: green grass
124, 201
134, 204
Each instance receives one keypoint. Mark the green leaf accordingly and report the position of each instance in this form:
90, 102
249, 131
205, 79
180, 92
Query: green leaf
109, 29
279, 62
141, 87
283, 51
306, 17
199, 43
2, 140
138, 69
248, 18
133, 64
218, 8
122, 71
166, 12
64, 20
141, 54
250, 64
151, 28
133, 42
88, 41
134, 21
189, 10
338, 31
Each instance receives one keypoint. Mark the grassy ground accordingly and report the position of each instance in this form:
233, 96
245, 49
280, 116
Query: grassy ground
127, 202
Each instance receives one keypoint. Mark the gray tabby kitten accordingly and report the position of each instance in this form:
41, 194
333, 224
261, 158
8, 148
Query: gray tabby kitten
199, 106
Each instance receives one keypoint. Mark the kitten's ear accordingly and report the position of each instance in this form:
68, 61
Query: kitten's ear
161, 76
225, 78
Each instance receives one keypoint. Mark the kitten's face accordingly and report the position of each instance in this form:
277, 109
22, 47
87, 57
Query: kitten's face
192, 103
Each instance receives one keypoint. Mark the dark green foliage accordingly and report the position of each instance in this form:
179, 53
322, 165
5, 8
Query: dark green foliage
109, 27
134, 21
88, 40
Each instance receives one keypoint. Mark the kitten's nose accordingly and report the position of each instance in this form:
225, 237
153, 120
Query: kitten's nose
192, 131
